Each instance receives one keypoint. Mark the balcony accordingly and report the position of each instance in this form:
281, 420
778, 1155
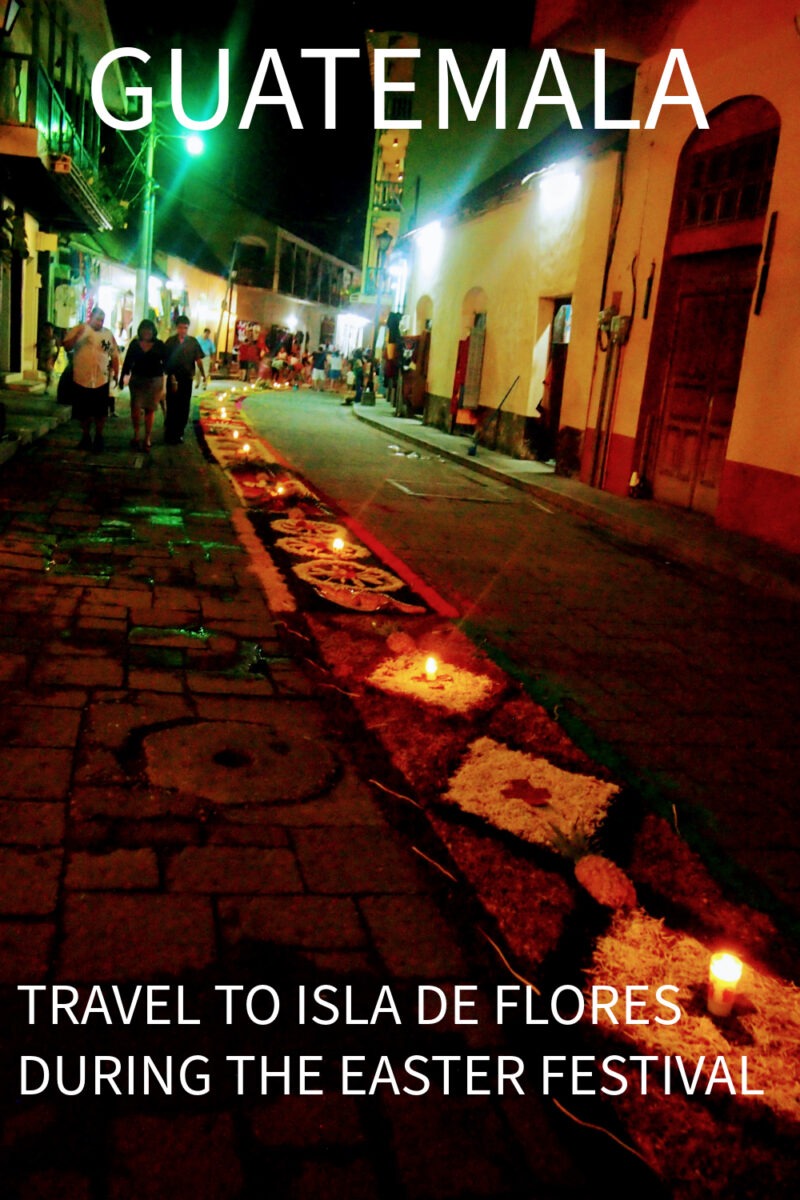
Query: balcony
50, 139
387, 195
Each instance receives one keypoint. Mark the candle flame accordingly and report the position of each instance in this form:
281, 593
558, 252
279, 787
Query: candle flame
338, 544
726, 967
431, 667
236, 433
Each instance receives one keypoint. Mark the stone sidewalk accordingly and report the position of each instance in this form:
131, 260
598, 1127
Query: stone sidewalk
181, 807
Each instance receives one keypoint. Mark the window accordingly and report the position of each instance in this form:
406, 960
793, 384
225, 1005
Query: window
730, 183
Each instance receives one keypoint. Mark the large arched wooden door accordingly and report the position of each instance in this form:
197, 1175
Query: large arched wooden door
711, 312
710, 272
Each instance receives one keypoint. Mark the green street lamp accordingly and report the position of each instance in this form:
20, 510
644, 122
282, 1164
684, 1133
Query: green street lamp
383, 242
194, 146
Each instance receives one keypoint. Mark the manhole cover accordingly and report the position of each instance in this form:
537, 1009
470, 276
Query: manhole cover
233, 763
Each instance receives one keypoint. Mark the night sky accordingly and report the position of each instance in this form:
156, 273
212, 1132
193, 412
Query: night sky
313, 181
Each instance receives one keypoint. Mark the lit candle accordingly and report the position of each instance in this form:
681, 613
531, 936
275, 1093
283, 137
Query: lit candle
338, 545
236, 433
223, 412
280, 489
431, 667
246, 448
724, 973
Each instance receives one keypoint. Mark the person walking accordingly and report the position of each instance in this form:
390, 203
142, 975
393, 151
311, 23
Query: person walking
47, 353
95, 360
206, 344
143, 370
182, 353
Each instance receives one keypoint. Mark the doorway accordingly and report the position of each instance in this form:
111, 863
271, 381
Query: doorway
711, 259
711, 312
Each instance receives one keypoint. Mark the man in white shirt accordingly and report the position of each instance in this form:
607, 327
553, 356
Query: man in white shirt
95, 360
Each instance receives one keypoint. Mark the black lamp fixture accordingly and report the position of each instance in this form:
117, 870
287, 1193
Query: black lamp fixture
384, 241
10, 10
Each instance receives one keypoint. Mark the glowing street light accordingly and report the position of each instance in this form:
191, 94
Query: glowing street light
194, 146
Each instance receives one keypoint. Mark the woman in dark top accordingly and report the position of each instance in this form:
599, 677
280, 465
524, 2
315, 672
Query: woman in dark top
144, 369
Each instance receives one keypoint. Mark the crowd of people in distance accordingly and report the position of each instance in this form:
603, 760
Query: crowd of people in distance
291, 365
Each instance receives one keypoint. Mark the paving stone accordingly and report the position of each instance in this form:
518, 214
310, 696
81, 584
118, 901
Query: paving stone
32, 823
291, 680
164, 618
152, 680
35, 774
164, 832
13, 668
91, 610
117, 870
320, 922
162, 1158
300, 1121
231, 685
236, 610
83, 671
176, 598
98, 766
53, 1184
412, 937
335, 1181
24, 951
29, 1122
257, 834
103, 625
358, 861
134, 937
230, 763
43, 726
234, 708
222, 869
253, 629
474, 1154
338, 964
48, 698
110, 724
138, 596
29, 881
68, 647
15, 561
121, 803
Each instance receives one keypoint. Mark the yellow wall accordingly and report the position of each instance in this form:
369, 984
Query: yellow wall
753, 50
520, 254
207, 293
31, 282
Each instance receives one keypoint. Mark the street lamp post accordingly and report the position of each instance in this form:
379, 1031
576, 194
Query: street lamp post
194, 146
384, 241
148, 228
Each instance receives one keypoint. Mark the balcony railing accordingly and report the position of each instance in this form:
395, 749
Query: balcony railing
388, 195
28, 97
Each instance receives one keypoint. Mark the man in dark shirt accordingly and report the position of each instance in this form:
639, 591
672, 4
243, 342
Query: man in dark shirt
182, 354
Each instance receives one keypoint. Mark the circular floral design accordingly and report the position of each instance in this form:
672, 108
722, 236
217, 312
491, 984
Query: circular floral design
305, 527
323, 571
318, 547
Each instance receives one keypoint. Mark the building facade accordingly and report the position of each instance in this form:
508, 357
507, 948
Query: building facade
640, 286
49, 166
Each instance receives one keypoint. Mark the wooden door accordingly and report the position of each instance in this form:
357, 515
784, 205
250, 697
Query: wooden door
710, 315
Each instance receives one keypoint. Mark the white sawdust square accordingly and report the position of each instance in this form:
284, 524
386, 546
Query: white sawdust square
527, 795
454, 688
